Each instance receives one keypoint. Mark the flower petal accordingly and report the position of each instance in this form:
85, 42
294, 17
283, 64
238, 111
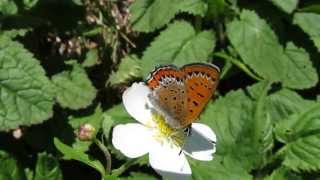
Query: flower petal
132, 139
167, 160
201, 143
135, 100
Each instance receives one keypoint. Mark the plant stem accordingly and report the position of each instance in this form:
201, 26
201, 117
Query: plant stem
124, 167
238, 63
106, 153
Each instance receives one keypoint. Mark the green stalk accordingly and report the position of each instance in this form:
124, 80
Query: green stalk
237, 63
106, 153
124, 167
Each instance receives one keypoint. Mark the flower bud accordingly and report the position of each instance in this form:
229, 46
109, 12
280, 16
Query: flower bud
86, 132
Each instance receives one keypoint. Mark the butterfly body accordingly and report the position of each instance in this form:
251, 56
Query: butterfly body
180, 94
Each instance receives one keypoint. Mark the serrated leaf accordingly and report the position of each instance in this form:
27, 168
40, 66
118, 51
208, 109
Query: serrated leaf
148, 15
266, 56
9, 167
301, 73
47, 167
195, 7
74, 88
129, 68
70, 153
284, 103
94, 119
308, 22
178, 44
26, 93
283, 173
287, 6
231, 118
301, 134
8, 7
222, 168
14, 33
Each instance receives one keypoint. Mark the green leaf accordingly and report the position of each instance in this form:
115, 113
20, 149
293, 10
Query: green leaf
287, 6
284, 103
91, 58
70, 153
129, 68
148, 15
222, 168
26, 93
283, 173
47, 168
14, 33
195, 7
179, 44
308, 22
262, 125
266, 56
74, 88
301, 135
301, 74
9, 168
8, 7
118, 114
94, 119
231, 118
28, 4
107, 124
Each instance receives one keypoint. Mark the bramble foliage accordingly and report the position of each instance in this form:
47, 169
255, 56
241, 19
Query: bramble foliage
65, 64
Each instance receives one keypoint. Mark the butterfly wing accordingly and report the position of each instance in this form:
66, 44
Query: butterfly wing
201, 81
169, 94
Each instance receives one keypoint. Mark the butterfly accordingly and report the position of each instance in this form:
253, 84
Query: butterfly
181, 94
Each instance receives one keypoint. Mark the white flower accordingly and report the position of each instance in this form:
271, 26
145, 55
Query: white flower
166, 147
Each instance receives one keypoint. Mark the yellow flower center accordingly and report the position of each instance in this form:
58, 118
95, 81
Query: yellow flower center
176, 136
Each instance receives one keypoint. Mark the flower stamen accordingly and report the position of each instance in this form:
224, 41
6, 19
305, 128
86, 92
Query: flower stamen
165, 131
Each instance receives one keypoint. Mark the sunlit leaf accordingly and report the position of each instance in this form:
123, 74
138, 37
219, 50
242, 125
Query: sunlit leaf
301, 134
70, 153
26, 92
267, 57
287, 6
74, 88
178, 44
308, 22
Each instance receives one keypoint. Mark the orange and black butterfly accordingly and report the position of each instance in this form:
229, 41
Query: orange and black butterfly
182, 93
